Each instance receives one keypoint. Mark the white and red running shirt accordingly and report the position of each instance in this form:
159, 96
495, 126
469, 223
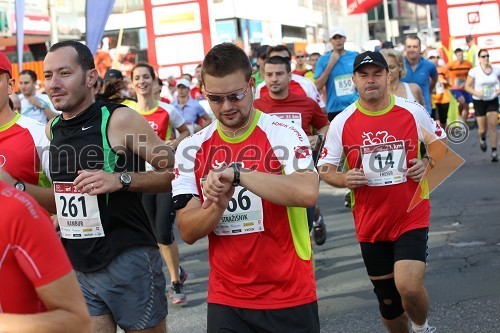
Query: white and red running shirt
24, 150
162, 118
260, 252
301, 110
299, 85
382, 143
31, 254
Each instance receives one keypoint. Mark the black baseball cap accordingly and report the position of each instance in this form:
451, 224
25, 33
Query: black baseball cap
369, 57
113, 74
262, 51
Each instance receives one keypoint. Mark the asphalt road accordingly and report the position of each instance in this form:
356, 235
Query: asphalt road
463, 275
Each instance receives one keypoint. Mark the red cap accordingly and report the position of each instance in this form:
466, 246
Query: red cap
5, 64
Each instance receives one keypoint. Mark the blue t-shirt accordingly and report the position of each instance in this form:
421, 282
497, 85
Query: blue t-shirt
421, 76
340, 90
191, 111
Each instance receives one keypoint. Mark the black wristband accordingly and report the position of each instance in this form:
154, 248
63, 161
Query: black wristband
431, 161
236, 170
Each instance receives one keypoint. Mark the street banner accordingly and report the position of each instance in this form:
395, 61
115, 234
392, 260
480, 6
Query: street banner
96, 15
479, 18
361, 6
179, 35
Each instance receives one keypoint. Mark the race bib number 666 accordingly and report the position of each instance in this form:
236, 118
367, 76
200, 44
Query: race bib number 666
78, 214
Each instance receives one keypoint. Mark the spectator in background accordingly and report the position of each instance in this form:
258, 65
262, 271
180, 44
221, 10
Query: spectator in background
458, 70
397, 69
441, 93
196, 91
334, 70
419, 70
193, 113
34, 105
473, 51
300, 63
261, 58
157, 91
312, 60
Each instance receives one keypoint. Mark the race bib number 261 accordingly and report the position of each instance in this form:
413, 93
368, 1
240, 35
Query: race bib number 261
78, 214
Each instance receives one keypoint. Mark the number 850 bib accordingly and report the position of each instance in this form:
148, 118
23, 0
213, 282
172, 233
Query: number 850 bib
78, 214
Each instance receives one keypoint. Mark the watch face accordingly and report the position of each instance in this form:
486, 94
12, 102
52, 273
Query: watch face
125, 178
20, 186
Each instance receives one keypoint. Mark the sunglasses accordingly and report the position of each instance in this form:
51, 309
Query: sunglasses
300, 56
484, 56
233, 97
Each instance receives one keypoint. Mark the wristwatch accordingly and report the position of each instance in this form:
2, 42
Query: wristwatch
125, 180
20, 185
236, 170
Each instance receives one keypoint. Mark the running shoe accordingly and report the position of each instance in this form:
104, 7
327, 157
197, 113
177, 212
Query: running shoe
494, 156
179, 297
482, 144
319, 231
183, 275
347, 200
430, 329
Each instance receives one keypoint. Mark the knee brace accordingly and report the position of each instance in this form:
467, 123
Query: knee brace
389, 300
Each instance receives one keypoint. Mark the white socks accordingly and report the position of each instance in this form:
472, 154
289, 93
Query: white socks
419, 328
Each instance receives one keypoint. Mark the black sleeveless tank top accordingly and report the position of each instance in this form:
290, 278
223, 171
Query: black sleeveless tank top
82, 143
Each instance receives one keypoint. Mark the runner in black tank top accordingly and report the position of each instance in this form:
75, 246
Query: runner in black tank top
97, 159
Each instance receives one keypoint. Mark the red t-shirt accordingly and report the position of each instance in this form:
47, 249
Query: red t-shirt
31, 254
260, 252
381, 212
301, 110
24, 150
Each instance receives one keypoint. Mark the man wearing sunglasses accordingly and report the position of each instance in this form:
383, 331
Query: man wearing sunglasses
300, 63
245, 181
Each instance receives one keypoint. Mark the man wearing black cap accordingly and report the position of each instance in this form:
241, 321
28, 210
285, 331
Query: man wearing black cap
380, 136
113, 74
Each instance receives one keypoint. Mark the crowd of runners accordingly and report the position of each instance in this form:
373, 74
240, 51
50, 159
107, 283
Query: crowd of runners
95, 174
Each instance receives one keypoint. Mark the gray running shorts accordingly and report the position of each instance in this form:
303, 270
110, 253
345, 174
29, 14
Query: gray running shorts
131, 288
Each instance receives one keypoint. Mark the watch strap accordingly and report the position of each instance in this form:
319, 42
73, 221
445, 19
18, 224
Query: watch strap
236, 171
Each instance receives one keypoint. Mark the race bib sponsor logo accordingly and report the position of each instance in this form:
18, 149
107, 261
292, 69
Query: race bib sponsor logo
324, 153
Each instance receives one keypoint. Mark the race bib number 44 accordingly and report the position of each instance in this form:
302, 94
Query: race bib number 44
243, 215
384, 164
78, 214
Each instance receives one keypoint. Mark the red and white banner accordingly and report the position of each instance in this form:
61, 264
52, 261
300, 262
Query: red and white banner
461, 18
361, 6
179, 35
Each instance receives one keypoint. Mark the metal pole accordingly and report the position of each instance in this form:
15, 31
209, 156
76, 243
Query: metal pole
430, 31
388, 31
54, 36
